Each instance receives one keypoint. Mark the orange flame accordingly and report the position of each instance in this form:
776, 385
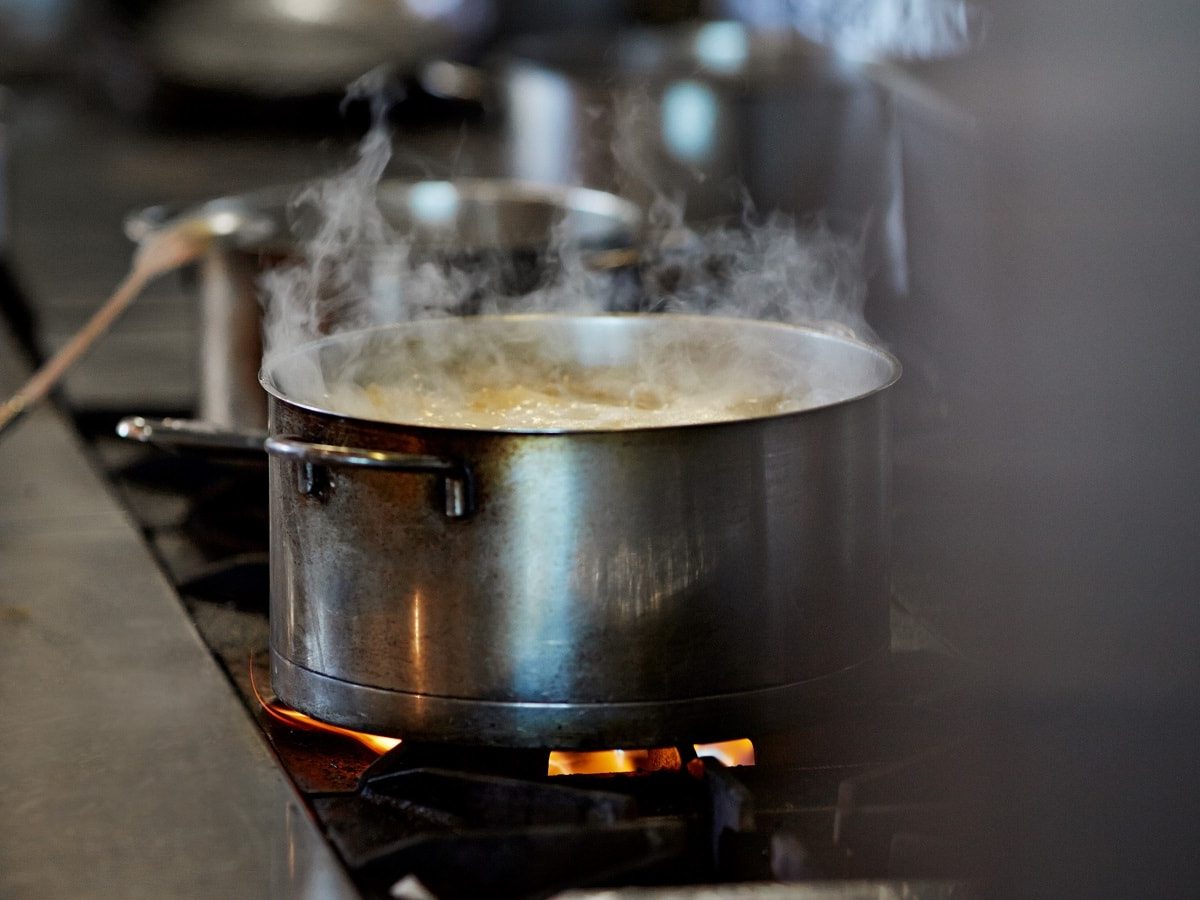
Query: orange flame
562, 762
601, 762
375, 742
729, 753
598, 762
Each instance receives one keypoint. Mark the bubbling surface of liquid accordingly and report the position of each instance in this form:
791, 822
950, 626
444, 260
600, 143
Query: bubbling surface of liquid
548, 373
603, 399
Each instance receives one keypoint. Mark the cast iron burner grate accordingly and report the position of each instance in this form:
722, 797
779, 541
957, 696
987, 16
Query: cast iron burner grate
434, 814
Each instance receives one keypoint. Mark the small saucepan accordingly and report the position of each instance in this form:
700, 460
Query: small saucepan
510, 230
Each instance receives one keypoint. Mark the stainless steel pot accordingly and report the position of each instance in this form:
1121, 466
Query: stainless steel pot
714, 114
574, 589
505, 225
287, 49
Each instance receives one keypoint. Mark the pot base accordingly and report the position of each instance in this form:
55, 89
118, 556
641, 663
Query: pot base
569, 726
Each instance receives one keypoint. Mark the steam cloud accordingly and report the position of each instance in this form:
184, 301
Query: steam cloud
356, 269
772, 269
326, 289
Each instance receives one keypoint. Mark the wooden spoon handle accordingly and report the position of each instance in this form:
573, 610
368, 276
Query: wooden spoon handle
159, 253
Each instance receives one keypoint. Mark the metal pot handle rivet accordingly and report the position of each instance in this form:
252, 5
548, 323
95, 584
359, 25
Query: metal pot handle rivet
455, 474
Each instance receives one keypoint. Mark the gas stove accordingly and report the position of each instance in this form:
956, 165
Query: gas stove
121, 556
875, 799
147, 761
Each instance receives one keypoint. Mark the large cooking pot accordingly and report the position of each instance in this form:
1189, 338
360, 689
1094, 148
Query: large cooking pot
578, 588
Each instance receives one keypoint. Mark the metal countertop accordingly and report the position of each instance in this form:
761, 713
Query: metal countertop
127, 765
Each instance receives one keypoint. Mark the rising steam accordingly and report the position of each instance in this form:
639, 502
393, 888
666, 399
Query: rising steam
773, 270
357, 269
326, 289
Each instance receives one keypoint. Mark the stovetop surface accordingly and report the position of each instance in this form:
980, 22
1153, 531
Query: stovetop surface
127, 765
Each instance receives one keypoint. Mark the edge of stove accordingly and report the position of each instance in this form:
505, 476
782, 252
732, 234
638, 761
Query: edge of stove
128, 764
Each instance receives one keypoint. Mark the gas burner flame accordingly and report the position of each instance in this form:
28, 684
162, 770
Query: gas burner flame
739, 752
280, 713
561, 762
603, 762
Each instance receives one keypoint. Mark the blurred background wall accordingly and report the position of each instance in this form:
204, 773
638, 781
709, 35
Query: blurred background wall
1054, 301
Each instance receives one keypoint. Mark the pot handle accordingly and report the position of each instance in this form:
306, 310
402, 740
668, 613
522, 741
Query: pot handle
192, 434
456, 478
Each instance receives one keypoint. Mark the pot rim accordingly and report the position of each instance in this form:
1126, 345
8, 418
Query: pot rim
268, 383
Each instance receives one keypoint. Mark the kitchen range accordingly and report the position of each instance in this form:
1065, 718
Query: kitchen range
847, 801
374, 655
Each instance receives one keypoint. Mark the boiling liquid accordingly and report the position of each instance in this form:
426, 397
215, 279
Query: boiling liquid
594, 399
